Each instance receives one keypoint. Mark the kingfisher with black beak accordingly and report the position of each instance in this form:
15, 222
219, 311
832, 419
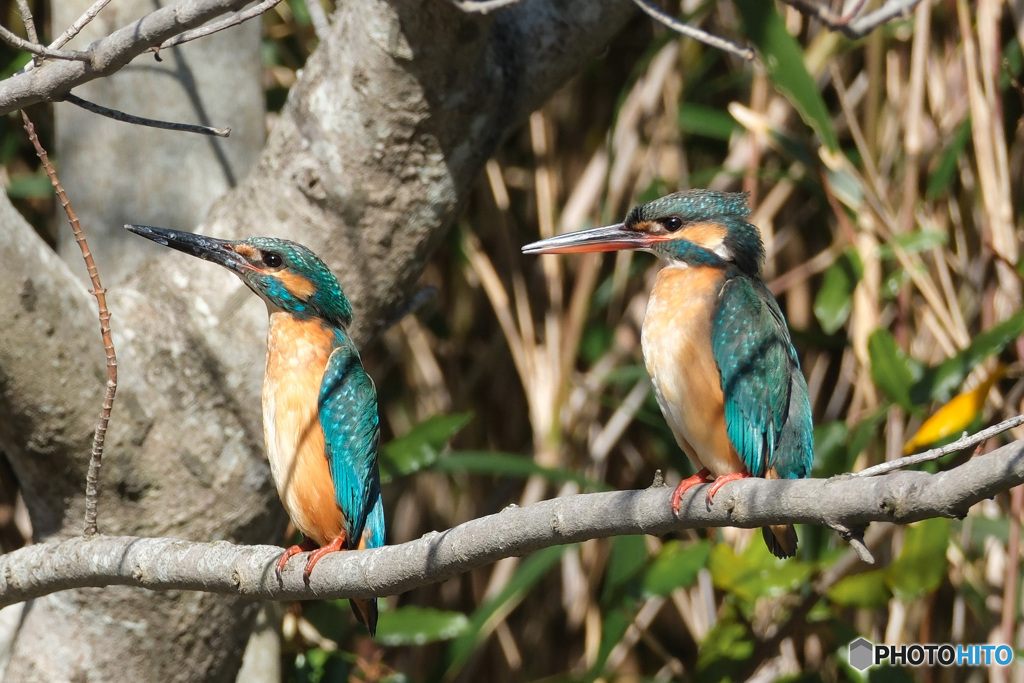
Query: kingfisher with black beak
319, 405
715, 343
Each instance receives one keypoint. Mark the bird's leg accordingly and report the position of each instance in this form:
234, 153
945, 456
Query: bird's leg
304, 547
315, 556
685, 485
722, 481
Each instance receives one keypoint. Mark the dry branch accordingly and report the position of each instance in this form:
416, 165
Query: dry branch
100, 435
170, 564
52, 80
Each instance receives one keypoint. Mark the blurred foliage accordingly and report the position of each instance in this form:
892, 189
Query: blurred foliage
883, 175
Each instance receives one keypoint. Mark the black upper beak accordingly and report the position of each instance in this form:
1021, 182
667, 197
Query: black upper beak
206, 248
607, 238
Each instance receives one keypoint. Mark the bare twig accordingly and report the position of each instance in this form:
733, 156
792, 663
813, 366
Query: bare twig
141, 121
99, 436
52, 79
203, 31
695, 33
890, 10
28, 20
171, 564
17, 41
849, 23
80, 23
30, 25
936, 453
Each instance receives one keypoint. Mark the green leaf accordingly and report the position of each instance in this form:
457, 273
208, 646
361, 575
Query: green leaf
889, 368
709, 122
614, 625
481, 623
947, 167
420, 446
30, 186
726, 647
755, 574
846, 188
941, 382
15, 65
861, 590
830, 448
676, 566
835, 298
414, 625
627, 557
784, 61
913, 243
511, 465
921, 566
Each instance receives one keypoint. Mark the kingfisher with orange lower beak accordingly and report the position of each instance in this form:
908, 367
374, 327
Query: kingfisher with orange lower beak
715, 343
319, 405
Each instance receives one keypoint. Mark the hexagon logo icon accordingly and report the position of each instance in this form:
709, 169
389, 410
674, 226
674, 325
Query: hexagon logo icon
862, 654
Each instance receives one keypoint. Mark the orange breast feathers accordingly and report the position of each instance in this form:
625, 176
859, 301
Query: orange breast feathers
676, 342
297, 353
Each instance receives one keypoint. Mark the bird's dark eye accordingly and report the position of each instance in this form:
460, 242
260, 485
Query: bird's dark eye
272, 259
672, 223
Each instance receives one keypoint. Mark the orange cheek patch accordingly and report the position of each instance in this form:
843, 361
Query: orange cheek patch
299, 287
245, 250
707, 235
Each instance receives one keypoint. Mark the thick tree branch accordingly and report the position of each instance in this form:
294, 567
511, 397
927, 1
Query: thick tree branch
169, 564
53, 79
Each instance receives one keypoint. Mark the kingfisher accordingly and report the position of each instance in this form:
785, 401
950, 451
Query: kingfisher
319, 405
715, 343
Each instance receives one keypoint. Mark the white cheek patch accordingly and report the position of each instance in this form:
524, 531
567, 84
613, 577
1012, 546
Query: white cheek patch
724, 252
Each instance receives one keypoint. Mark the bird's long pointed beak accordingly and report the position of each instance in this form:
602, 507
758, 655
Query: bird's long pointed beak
206, 248
607, 238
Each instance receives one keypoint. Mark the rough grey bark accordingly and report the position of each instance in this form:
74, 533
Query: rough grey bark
157, 177
844, 501
386, 130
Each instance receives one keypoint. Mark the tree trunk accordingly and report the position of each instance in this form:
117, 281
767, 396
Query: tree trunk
374, 155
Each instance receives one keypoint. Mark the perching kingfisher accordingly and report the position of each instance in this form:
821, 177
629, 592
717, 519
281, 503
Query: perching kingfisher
715, 343
319, 405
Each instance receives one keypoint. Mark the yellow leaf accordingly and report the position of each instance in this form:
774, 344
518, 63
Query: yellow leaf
956, 415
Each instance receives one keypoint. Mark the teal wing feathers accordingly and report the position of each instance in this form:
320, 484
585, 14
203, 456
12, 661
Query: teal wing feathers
348, 416
767, 412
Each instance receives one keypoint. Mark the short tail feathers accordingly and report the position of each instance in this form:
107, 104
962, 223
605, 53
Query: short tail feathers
780, 539
366, 613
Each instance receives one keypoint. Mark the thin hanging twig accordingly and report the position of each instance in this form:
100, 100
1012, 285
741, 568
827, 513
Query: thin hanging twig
695, 33
936, 453
99, 436
142, 121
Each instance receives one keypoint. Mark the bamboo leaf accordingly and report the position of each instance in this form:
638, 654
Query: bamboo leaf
784, 61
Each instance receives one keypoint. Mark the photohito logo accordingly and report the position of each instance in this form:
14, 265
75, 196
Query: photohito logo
864, 653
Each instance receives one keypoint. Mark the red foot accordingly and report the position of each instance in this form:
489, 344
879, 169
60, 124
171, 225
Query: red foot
722, 481
315, 556
304, 547
685, 485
